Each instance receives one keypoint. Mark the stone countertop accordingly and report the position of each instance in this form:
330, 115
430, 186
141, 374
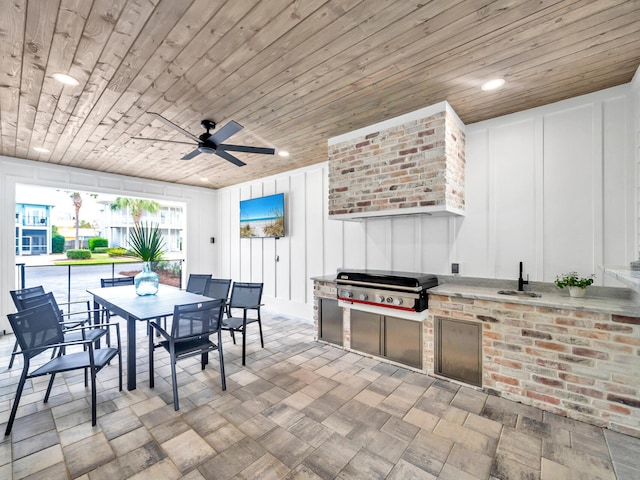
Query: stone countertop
608, 305
630, 278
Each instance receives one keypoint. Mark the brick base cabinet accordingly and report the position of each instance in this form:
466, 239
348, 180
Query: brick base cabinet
576, 363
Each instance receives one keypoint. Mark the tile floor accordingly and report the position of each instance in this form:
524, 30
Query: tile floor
298, 410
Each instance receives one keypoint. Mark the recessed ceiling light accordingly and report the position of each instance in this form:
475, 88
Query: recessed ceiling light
66, 79
283, 153
493, 84
41, 150
204, 179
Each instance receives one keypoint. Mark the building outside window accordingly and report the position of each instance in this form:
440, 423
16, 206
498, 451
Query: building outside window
33, 229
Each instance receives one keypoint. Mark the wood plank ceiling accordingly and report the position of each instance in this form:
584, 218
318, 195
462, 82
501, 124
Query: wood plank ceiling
293, 73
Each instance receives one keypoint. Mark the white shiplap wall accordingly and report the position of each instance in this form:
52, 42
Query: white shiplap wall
200, 202
553, 187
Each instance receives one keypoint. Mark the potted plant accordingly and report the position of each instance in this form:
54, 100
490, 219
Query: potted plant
577, 285
146, 243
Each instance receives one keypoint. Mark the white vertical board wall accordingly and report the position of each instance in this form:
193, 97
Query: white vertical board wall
548, 187
200, 209
570, 192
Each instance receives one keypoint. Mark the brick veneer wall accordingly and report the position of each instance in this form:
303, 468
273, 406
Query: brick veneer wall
415, 165
321, 289
580, 364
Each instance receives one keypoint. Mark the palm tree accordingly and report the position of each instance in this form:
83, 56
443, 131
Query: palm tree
76, 198
137, 206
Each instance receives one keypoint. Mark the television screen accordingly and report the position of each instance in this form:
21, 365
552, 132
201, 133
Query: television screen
262, 217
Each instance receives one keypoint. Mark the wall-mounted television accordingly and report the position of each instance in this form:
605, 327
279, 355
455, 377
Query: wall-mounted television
262, 217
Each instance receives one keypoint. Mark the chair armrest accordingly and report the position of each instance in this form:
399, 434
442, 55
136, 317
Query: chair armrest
160, 330
91, 310
56, 345
246, 307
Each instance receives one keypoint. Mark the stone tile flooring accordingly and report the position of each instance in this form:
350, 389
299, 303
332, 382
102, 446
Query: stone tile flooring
298, 410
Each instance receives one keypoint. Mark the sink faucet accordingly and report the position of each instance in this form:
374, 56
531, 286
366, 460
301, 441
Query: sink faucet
521, 281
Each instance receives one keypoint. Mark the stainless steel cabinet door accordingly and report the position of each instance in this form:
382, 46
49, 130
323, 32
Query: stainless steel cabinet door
366, 332
459, 350
330, 316
403, 339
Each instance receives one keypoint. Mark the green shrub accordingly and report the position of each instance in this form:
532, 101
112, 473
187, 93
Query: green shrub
169, 266
57, 244
80, 254
116, 252
97, 242
100, 249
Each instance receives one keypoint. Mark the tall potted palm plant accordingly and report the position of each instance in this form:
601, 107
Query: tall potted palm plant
146, 243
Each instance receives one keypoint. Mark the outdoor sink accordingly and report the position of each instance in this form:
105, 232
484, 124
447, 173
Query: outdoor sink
524, 294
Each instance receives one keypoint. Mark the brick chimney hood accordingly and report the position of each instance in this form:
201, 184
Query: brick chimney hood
408, 165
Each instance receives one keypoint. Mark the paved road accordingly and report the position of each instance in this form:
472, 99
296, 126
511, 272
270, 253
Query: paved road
56, 278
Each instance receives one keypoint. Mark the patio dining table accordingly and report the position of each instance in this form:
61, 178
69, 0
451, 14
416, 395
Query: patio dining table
124, 301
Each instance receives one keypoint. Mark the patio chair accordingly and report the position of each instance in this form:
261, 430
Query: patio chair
38, 330
17, 296
217, 288
190, 331
245, 297
23, 299
70, 328
114, 282
197, 282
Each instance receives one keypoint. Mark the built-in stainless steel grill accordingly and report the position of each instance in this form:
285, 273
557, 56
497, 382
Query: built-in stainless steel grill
399, 290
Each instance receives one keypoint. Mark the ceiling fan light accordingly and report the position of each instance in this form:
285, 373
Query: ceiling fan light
205, 149
66, 79
283, 153
492, 84
41, 150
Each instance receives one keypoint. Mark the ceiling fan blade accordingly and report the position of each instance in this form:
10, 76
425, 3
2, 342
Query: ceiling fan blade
161, 140
225, 132
174, 126
230, 158
190, 155
246, 149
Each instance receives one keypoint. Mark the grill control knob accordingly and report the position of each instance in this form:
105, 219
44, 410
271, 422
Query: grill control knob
348, 294
363, 296
389, 299
380, 299
397, 301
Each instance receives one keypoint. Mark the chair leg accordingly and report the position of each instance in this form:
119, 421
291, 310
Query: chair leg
204, 360
260, 327
244, 347
93, 397
46, 395
221, 358
233, 336
151, 379
13, 354
174, 377
16, 401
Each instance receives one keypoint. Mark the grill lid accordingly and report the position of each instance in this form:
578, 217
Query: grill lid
388, 278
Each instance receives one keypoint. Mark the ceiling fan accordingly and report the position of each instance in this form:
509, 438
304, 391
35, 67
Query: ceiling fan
212, 143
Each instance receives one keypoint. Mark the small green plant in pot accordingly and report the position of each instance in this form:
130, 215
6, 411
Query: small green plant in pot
577, 285
146, 243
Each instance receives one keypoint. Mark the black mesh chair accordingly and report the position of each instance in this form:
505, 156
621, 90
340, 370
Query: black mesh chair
17, 296
114, 282
24, 298
70, 328
190, 330
197, 282
245, 297
217, 288
37, 330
